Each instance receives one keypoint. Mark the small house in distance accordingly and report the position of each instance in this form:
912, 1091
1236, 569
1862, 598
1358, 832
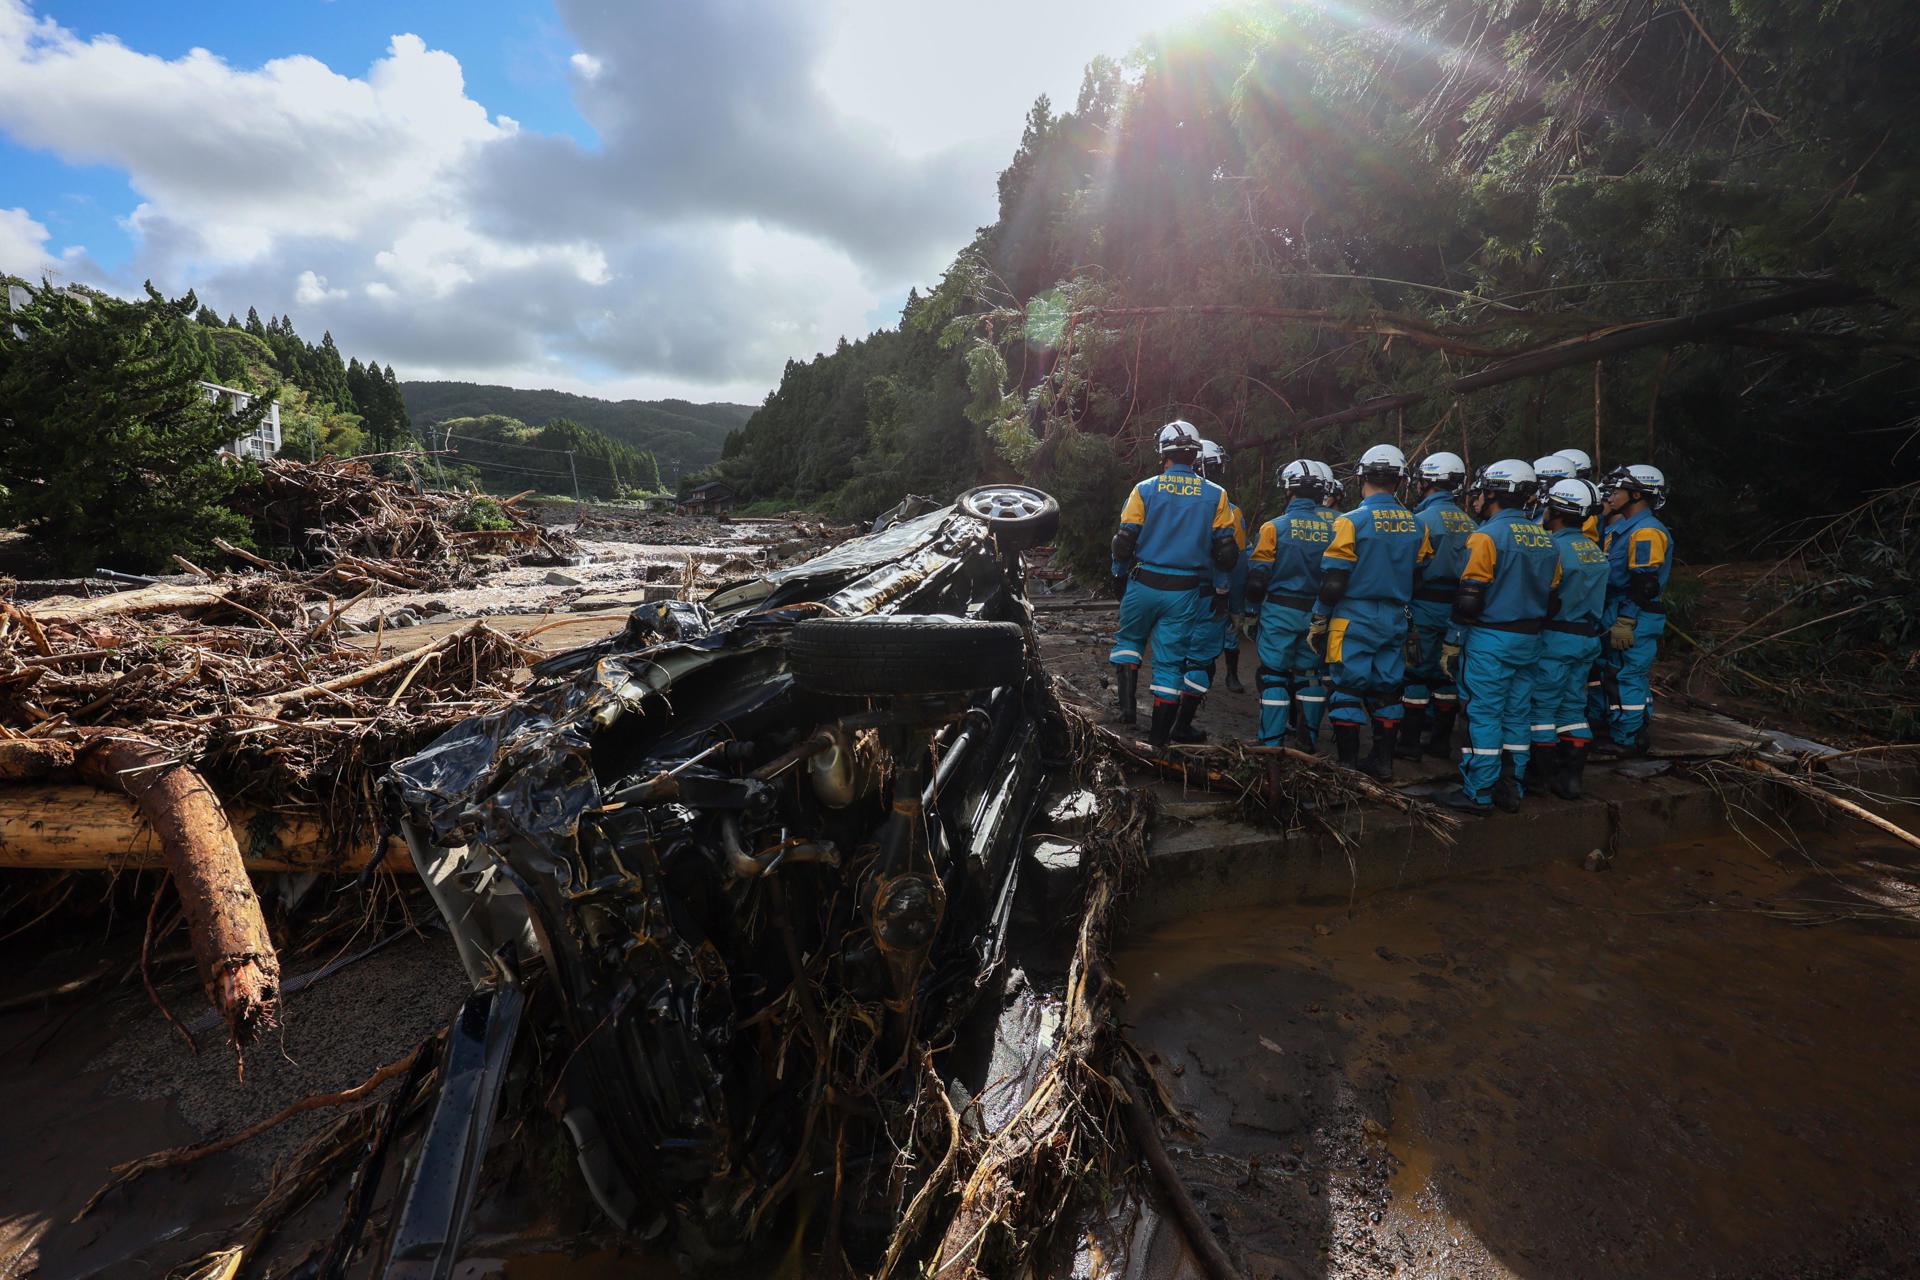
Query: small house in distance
264, 441
714, 498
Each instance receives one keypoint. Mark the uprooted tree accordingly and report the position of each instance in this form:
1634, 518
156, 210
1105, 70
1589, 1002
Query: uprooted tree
110, 453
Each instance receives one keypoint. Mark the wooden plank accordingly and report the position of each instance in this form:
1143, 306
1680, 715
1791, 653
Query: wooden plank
80, 828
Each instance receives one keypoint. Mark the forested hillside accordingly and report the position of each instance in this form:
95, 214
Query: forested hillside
1277, 215
682, 435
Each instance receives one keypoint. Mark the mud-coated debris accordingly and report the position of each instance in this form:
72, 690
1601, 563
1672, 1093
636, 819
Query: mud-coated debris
1596, 860
559, 579
403, 618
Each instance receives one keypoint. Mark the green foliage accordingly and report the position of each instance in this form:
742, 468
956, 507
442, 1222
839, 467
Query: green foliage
507, 455
311, 429
682, 437
111, 456
479, 514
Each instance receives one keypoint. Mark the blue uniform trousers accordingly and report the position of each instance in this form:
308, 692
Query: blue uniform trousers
1212, 635
1496, 683
1167, 618
1426, 682
1289, 676
1560, 687
1366, 661
1630, 700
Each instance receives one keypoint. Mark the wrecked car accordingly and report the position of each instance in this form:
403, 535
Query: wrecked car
759, 850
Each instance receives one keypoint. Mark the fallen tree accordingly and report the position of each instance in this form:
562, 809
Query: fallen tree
239, 968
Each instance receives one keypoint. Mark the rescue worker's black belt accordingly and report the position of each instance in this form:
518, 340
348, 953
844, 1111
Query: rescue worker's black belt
1437, 595
1573, 628
1168, 581
1290, 600
1524, 627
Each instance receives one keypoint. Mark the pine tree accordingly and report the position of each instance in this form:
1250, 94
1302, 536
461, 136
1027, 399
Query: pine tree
113, 456
254, 326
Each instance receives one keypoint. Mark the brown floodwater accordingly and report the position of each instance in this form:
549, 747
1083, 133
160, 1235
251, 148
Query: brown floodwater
1701, 1062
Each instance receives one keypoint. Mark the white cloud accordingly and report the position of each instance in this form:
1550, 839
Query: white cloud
23, 246
765, 176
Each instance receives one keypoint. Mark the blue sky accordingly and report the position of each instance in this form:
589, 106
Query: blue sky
657, 197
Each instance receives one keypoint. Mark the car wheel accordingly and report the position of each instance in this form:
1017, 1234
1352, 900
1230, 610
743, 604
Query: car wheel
1019, 516
905, 654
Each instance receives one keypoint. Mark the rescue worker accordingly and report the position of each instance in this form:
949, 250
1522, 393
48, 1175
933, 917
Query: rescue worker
1494, 643
1582, 470
1430, 691
1283, 580
1360, 623
1639, 562
1215, 637
1569, 642
1171, 558
1548, 472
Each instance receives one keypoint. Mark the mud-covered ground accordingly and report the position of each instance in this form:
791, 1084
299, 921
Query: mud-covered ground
1700, 1063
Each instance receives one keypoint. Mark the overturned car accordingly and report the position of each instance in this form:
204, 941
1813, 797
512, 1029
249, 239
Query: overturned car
742, 862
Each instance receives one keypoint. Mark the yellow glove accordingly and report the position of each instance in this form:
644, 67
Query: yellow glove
1317, 637
1620, 634
1450, 661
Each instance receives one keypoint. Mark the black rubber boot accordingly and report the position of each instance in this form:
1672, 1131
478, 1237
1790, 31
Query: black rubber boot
1540, 768
1573, 763
1183, 730
1407, 744
1458, 800
1441, 743
1233, 672
1346, 744
1506, 795
1379, 763
1162, 727
1126, 687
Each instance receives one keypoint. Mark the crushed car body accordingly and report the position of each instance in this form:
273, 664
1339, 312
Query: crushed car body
759, 851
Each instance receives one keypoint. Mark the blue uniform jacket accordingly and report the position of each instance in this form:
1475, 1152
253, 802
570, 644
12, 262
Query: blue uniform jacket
1180, 517
1447, 527
1286, 556
1516, 559
1639, 544
1380, 544
1583, 578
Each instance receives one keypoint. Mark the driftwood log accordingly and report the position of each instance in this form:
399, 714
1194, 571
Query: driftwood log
238, 966
54, 827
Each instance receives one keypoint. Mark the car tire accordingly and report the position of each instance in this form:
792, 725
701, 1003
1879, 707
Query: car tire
1019, 516
878, 657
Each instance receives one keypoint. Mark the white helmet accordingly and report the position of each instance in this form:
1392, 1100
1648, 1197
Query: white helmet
1330, 486
1180, 436
1509, 475
1300, 476
1443, 468
1572, 497
1582, 462
1554, 468
1641, 480
1213, 460
1383, 464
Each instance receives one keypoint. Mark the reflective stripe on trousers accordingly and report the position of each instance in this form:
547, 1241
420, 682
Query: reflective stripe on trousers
1496, 685
1167, 619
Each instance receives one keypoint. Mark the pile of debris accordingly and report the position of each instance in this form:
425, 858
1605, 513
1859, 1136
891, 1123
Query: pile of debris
351, 526
247, 680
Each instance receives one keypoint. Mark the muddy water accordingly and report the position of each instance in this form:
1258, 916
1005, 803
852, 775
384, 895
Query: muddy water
1701, 1062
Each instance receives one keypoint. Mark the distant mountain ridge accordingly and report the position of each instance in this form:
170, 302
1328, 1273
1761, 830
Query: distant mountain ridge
684, 436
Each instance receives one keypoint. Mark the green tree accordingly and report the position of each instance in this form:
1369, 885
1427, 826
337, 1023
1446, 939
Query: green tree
112, 456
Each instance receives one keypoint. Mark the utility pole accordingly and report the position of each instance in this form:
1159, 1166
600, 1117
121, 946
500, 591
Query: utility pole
576, 475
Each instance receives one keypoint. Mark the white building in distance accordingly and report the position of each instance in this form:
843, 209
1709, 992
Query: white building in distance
264, 441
